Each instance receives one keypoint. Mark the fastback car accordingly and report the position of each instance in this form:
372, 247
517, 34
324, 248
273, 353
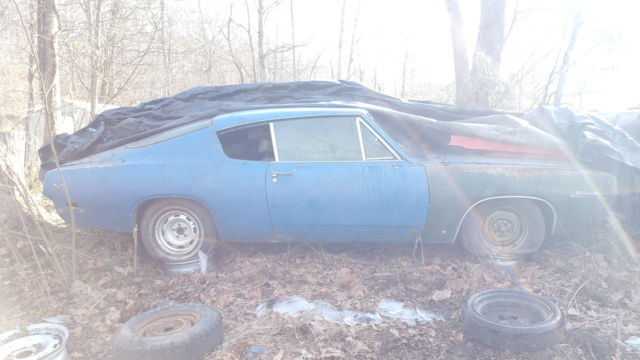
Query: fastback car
322, 175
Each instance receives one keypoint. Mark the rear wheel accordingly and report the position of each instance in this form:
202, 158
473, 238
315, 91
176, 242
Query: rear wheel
505, 228
176, 229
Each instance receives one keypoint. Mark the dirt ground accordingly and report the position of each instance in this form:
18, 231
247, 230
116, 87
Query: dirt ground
596, 286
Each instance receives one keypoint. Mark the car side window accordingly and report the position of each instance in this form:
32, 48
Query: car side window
318, 139
374, 148
251, 143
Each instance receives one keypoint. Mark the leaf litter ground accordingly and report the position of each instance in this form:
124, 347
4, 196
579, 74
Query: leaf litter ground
596, 287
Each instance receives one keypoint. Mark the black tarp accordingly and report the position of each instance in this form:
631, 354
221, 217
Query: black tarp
120, 126
596, 142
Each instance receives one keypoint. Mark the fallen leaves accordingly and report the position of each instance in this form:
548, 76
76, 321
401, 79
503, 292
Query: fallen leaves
351, 277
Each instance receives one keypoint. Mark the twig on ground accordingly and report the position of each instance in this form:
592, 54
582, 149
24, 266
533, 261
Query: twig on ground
98, 301
576, 292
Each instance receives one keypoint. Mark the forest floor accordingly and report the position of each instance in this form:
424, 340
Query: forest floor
597, 287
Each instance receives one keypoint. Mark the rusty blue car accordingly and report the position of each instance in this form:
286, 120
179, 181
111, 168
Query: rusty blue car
322, 174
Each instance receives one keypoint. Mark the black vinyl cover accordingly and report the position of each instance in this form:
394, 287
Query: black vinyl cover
596, 142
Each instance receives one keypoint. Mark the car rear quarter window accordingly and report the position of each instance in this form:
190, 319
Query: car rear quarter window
318, 139
251, 143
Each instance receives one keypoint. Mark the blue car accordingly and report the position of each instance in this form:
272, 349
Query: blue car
321, 175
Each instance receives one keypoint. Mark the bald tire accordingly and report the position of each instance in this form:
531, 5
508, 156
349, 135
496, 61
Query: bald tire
193, 343
478, 239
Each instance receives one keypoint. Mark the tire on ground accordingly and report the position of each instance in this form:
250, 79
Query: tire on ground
171, 332
507, 228
513, 320
193, 215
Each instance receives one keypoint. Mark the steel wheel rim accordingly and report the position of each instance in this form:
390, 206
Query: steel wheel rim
37, 341
178, 232
168, 323
506, 229
525, 311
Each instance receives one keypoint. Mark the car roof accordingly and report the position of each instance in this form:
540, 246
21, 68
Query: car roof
245, 117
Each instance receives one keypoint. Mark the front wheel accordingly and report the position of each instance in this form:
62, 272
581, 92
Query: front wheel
505, 228
176, 229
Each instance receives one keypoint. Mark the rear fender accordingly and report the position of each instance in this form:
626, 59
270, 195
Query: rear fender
548, 211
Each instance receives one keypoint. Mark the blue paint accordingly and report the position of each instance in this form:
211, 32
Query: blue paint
383, 201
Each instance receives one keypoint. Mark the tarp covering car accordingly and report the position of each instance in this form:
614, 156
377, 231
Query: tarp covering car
594, 141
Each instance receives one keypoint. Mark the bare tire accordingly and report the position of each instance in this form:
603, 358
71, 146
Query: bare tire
175, 230
513, 320
505, 228
171, 332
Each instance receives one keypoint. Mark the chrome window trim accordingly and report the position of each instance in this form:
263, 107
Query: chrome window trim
377, 136
274, 144
361, 140
358, 120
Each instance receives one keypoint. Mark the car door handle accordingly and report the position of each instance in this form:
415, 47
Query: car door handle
277, 173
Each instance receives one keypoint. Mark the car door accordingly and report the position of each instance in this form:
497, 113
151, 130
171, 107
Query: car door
335, 179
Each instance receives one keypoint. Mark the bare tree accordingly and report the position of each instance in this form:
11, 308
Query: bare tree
263, 12
566, 59
404, 71
48, 64
340, 40
485, 72
226, 34
250, 37
481, 86
262, 65
261, 55
29, 129
208, 44
460, 57
164, 48
104, 50
94, 20
294, 69
354, 42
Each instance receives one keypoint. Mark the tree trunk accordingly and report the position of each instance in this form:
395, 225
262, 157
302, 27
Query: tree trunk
29, 128
404, 71
293, 43
485, 73
353, 43
236, 62
109, 44
339, 66
261, 54
163, 48
207, 51
96, 26
566, 60
48, 65
460, 57
254, 73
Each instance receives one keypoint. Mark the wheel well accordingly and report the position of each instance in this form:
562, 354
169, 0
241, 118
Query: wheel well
548, 211
140, 209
